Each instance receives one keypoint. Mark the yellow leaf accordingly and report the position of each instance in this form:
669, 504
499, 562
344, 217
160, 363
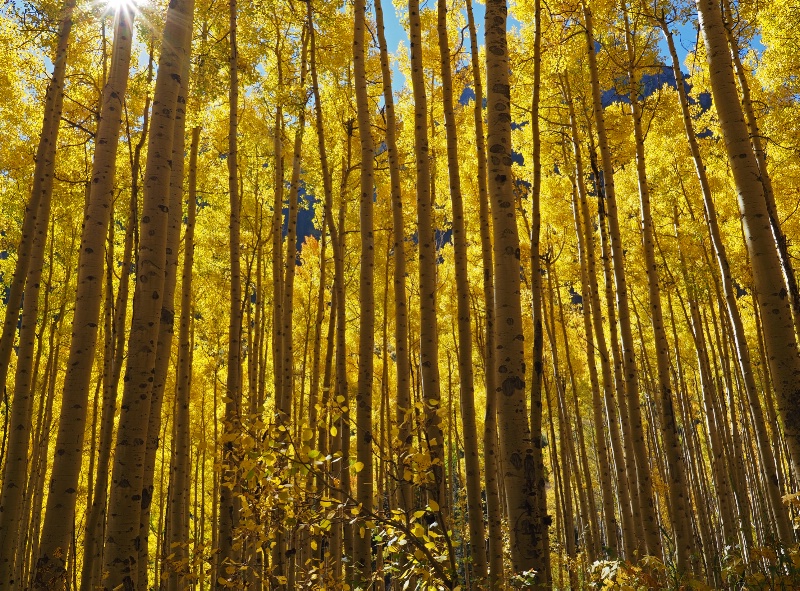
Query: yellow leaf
358, 467
433, 505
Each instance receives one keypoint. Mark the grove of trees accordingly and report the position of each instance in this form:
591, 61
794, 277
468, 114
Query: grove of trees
511, 305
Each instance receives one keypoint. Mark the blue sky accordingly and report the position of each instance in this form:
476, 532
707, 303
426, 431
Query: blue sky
395, 34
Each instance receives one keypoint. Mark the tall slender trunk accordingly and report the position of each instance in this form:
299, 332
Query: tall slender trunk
429, 334
42, 188
517, 460
777, 321
57, 530
650, 534
593, 313
466, 378
402, 378
178, 539
741, 347
12, 518
362, 556
166, 331
95, 521
679, 499
228, 502
491, 466
760, 153
539, 495
285, 402
125, 500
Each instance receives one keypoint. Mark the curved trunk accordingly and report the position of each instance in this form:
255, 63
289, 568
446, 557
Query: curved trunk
776, 314
57, 527
741, 347
126, 497
43, 176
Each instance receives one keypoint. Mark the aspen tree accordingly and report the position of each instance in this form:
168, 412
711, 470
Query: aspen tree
517, 462
465, 373
777, 323
57, 527
319, 404
583, 475
604, 463
564, 440
95, 521
403, 388
650, 535
429, 336
564, 429
277, 225
228, 501
177, 541
337, 295
781, 241
42, 188
490, 443
540, 520
125, 499
285, 402
741, 347
166, 330
21, 415
362, 556
717, 451
680, 502
28, 537
593, 314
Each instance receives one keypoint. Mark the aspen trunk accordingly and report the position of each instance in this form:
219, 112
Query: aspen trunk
491, 465
466, 378
21, 415
741, 346
650, 535
604, 463
541, 521
42, 188
429, 335
362, 555
57, 531
166, 331
679, 499
125, 500
781, 241
95, 521
228, 502
517, 460
402, 384
178, 539
777, 322
593, 313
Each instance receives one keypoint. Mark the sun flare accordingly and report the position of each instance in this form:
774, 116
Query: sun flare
115, 5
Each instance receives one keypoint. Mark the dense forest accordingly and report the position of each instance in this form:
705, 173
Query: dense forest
508, 304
